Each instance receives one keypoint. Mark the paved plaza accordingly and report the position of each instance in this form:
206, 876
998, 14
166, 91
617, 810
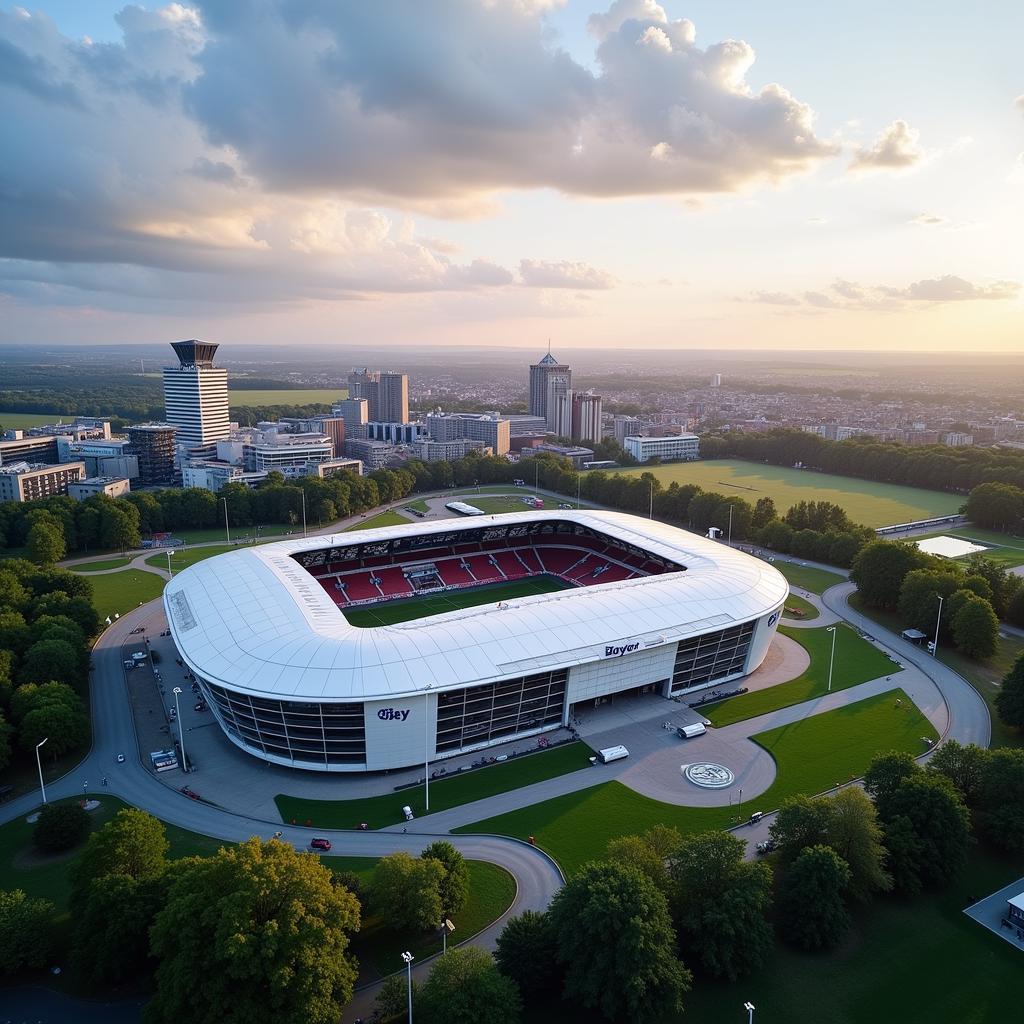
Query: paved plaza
990, 913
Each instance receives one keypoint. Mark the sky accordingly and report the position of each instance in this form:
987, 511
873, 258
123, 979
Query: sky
626, 174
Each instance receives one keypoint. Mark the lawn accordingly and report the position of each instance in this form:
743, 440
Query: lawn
807, 577
811, 756
798, 608
873, 504
103, 563
417, 506
182, 558
1002, 548
390, 612
24, 420
856, 661
388, 518
285, 396
984, 676
919, 961
508, 503
379, 811
238, 533
122, 591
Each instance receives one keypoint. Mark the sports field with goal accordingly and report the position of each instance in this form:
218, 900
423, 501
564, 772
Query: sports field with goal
387, 613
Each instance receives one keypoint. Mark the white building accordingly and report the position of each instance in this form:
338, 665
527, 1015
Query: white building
356, 414
489, 428
30, 481
559, 405
427, 450
112, 487
685, 447
637, 607
196, 395
958, 439
625, 426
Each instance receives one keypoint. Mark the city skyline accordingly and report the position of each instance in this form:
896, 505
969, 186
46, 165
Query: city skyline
634, 175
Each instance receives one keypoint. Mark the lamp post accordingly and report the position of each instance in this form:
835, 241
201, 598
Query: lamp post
938, 623
408, 958
426, 745
832, 657
227, 529
303, 513
181, 732
579, 480
650, 507
729, 542
536, 475
85, 791
39, 765
170, 571
749, 1007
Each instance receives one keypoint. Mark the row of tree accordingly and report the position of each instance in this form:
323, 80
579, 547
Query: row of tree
47, 622
999, 506
938, 467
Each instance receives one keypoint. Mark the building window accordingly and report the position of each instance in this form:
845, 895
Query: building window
705, 659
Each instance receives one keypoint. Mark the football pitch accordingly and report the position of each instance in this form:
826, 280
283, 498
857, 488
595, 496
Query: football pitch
390, 612
865, 501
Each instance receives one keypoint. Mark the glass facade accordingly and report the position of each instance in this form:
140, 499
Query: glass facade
479, 714
704, 659
310, 732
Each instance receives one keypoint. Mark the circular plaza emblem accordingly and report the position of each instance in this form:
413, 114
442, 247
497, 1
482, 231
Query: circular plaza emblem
709, 776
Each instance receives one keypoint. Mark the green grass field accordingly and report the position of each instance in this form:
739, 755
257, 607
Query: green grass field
811, 756
284, 396
122, 591
184, 557
390, 612
505, 503
807, 577
24, 420
798, 608
416, 506
388, 518
101, 564
1003, 548
856, 661
872, 504
380, 811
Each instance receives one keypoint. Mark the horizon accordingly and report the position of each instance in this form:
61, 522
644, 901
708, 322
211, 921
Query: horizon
469, 174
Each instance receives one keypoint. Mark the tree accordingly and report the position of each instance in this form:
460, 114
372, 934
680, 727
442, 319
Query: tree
919, 597
454, 886
525, 952
975, 627
886, 773
45, 542
60, 826
1015, 607
764, 513
35, 695
1010, 699
880, 568
650, 853
927, 832
801, 822
133, 843
49, 660
719, 902
466, 987
616, 944
855, 834
66, 729
393, 998
5, 742
964, 766
256, 932
26, 931
1000, 801
407, 892
812, 911
997, 505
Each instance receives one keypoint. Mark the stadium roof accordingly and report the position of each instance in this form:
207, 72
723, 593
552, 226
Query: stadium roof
256, 621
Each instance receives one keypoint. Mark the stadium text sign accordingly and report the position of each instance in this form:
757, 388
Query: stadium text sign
618, 650
393, 714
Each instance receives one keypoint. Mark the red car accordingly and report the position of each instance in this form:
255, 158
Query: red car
320, 844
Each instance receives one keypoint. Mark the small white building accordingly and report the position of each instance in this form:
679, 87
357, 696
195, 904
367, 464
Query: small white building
111, 486
678, 448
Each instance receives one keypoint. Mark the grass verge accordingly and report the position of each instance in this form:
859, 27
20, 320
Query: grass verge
182, 558
810, 756
856, 662
806, 610
388, 518
807, 577
101, 564
122, 591
379, 811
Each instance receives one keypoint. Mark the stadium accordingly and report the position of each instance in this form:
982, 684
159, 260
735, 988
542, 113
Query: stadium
372, 650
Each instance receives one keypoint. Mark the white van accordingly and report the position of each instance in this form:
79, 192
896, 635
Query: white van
610, 754
688, 732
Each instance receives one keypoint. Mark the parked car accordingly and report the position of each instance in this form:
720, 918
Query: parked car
766, 847
407, 813
120, 758
320, 843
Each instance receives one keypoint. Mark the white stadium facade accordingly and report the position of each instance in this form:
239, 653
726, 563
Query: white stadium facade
308, 657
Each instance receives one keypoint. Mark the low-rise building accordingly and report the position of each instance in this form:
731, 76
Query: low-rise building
428, 450
335, 466
16, 447
372, 454
153, 444
28, 481
958, 439
680, 447
489, 429
112, 487
577, 455
395, 433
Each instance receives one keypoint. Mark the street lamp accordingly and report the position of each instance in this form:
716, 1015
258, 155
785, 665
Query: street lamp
446, 927
181, 732
579, 480
426, 744
39, 765
729, 542
650, 507
303, 513
227, 529
749, 1007
85, 791
408, 958
938, 623
832, 657
170, 571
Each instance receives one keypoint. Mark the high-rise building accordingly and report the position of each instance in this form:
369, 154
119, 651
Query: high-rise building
392, 398
196, 395
559, 405
356, 414
362, 383
626, 426
540, 373
153, 445
586, 417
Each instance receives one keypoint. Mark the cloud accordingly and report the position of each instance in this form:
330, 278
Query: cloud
541, 274
1018, 104
929, 220
951, 288
775, 298
820, 299
897, 148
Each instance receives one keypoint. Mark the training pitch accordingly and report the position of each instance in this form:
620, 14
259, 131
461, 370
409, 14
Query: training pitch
390, 612
866, 502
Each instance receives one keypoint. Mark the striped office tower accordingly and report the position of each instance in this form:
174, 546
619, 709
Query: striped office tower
196, 395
